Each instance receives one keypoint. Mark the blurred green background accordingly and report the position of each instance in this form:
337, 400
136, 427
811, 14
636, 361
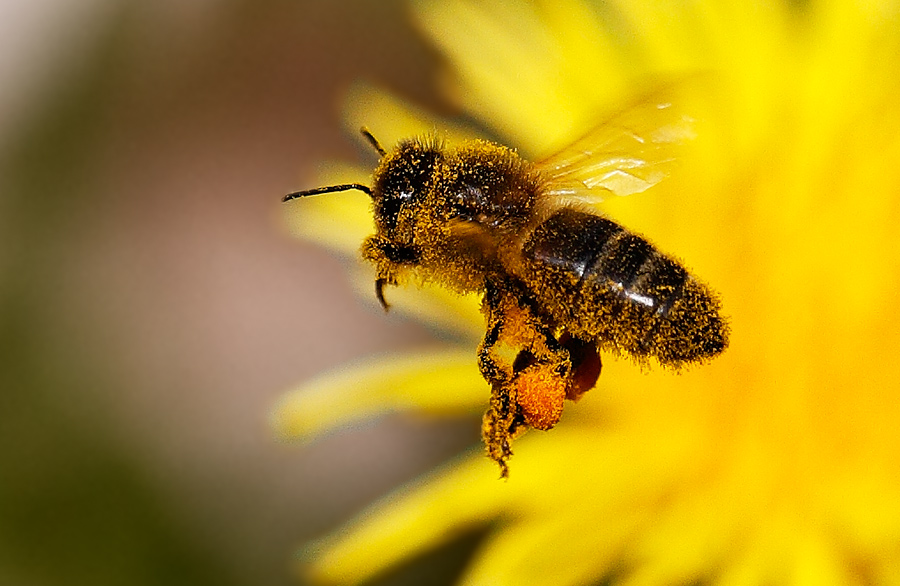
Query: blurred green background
154, 307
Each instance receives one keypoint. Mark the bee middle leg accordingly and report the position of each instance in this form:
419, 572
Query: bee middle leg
500, 422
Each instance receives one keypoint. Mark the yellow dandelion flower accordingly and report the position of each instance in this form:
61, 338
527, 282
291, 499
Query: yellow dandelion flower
779, 462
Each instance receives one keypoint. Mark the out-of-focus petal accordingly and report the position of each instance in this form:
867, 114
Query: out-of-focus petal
458, 498
523, 69
437, 382
391, 119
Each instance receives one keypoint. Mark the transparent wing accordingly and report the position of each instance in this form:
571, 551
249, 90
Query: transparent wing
627, 153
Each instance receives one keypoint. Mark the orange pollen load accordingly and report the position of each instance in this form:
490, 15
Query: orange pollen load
540, 395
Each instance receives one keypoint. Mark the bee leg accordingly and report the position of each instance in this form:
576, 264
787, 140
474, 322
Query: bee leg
387, 258
530, 371
379, 292
489, 362
500, 420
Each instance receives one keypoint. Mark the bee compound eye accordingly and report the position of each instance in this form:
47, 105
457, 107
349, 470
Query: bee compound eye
388, 209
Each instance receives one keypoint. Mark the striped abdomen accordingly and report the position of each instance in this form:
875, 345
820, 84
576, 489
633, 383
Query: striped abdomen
602, 283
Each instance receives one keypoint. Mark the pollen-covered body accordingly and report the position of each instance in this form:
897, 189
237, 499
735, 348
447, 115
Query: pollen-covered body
561, 283
479, 214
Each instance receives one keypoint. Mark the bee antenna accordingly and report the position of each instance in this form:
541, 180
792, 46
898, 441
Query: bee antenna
328, 189
373, 141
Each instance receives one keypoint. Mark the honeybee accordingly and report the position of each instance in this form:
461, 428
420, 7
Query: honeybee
560, 282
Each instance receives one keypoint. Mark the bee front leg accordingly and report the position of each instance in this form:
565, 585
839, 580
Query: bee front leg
380, 283
390, 260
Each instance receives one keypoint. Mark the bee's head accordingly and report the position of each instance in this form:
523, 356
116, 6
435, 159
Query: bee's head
399, 191
402, 183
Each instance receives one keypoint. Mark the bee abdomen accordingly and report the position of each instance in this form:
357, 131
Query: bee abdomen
603, 283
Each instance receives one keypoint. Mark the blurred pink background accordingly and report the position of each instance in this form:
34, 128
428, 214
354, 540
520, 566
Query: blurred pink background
154, 307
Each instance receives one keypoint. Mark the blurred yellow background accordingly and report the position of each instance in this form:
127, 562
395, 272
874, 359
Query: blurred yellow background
154, 307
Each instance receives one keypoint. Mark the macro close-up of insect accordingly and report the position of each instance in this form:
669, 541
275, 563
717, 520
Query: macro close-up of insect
561, 283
